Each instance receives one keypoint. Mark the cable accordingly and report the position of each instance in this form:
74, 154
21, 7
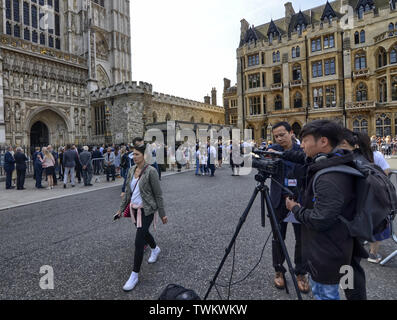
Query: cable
252, 270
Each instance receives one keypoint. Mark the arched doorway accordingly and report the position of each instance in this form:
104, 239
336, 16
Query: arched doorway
296, 128
39, 135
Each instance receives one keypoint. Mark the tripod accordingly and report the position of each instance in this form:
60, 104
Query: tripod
265, 198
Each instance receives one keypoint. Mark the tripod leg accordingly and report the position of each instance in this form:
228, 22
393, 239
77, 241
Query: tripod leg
280, 239
229, 248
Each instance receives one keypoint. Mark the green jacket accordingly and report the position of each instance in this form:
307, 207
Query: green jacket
149, 187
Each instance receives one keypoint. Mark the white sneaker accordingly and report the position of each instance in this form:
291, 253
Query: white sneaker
132, 282
153, 256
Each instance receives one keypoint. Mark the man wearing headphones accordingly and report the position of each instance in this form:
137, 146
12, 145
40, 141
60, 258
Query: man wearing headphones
326, 243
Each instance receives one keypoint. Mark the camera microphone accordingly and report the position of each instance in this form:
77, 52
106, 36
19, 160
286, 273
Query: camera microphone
268, 153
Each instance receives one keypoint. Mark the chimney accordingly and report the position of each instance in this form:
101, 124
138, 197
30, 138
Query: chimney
289, 10
226, 84
244, 28
213, 95
207, 99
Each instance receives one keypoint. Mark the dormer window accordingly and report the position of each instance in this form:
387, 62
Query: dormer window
361, 12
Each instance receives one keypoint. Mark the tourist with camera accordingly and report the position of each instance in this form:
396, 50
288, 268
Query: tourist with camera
283, 135
326, 243
142, 199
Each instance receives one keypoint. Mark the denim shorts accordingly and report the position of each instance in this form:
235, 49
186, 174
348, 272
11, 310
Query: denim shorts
324, 291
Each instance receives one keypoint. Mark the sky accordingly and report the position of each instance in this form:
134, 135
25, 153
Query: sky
185, 48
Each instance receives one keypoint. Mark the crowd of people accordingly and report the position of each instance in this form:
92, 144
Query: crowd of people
386, 145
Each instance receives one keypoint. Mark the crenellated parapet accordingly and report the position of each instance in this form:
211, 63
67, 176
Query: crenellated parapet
173, 100
122, 88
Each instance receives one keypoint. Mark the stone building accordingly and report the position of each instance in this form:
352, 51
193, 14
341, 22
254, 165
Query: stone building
65, 77
336, 61
127, 110
52, 54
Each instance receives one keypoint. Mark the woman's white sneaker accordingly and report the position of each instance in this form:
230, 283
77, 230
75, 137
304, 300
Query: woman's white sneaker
154, 255
132, 282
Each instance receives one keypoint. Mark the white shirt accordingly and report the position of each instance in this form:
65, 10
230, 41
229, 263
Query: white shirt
136, 196
380, 160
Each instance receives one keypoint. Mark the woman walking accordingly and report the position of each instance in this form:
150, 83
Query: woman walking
48, 164
143, 198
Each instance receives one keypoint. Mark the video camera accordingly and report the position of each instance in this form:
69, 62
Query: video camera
268, 163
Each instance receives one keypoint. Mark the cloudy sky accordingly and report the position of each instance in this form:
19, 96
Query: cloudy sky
186, 47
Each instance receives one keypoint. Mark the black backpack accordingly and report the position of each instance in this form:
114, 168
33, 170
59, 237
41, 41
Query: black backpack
177, 292
376, 202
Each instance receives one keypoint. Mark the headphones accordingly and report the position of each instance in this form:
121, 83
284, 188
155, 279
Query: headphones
321, 157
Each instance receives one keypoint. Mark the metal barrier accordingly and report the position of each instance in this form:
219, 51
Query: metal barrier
393, 178
29, 168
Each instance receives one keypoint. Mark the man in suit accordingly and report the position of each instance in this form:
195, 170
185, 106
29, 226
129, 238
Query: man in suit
38, 168
282, 133
86, 162
20, 162
9, 167
96, 154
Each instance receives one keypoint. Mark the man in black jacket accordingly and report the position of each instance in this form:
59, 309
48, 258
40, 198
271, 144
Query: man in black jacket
20, 162
327, 245
282, 133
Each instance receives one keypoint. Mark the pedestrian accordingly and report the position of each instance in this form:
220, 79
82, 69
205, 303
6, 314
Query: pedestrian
70, 158
48, 164
220, 153
117, 161
78, 169
56, 166
96, 160
144, 198
109, 164
14, 172
9, 167
61, 166
211, 158
153, 148
326, 242
86, 163
20, 162
38, 157
197, 160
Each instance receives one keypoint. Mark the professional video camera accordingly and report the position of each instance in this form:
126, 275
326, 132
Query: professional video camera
268, 164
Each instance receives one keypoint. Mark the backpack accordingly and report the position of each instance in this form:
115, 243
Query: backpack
376, 202
177, 292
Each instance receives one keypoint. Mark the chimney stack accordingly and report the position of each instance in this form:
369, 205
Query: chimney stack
213, 95
226, 84
207, 99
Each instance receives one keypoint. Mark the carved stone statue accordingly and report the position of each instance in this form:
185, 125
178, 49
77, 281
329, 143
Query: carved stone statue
76, 116
17, 112
8, 112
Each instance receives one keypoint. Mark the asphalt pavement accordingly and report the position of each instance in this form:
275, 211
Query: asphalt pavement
92, 257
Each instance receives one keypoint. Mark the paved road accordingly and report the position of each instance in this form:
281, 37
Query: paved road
92, 258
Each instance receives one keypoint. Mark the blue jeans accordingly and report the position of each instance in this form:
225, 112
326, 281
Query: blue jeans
124, 173
197, 166
324, 291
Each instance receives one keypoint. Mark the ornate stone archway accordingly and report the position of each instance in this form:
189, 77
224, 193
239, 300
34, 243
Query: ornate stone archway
58, 126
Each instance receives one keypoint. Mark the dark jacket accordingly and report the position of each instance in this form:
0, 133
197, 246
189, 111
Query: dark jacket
70, 158
277, 195
85, 159
20, 161
9, 162
326, 243
149, 187
96, 154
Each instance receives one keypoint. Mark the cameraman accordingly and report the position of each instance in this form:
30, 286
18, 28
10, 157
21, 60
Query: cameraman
283, 136
326, 243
